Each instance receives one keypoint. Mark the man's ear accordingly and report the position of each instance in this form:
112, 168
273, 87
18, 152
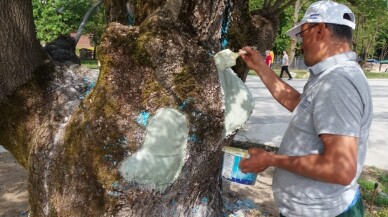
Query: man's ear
322, 31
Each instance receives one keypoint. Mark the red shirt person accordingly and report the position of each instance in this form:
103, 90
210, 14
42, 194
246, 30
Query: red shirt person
268, 58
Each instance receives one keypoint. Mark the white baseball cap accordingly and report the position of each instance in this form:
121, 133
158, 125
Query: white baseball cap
325, 12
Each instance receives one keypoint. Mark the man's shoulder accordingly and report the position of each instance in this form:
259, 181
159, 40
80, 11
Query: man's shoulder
347, 70
346, 76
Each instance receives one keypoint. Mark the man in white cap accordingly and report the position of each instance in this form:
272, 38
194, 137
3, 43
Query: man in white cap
323, 150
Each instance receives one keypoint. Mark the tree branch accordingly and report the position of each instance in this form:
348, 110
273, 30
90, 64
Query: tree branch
280, 9
86, 17
277, 4
265, 4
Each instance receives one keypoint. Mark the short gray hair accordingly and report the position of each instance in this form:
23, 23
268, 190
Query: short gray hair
341, 32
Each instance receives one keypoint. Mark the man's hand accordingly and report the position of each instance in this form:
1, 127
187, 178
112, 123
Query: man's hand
252, 58
340, 154
259, 161
285, 94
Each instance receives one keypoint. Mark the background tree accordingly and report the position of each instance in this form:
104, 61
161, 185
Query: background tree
19, 45
371, 24
85, 20
370, 36
116, 10
382, 46
61, 17
75, 141
296, 17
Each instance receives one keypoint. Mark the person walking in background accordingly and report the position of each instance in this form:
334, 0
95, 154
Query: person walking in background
323, 150
272, 57
285, 66
268, 58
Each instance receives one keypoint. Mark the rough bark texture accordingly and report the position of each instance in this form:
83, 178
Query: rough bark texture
73, 141
115, 11
73, 144
145, 8
254, 28
19, 45
143, 70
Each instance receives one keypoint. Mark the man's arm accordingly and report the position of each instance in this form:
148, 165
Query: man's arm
337, 164
286, 95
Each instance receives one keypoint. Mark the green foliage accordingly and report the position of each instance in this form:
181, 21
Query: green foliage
371, 34
282, 41
60, 17
382, 213
255, 4
383, 178
367, 185
373, 25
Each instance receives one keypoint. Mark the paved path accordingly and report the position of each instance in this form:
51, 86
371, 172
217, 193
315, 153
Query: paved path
269, 119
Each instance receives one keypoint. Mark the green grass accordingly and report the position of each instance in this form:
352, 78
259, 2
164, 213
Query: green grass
91, 64
367, 184
380, 213
376, 74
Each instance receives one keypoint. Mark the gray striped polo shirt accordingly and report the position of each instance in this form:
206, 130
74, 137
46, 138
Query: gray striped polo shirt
336, 100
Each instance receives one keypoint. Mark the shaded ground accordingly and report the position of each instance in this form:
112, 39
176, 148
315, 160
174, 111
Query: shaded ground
250, 201
13, 187
240, 200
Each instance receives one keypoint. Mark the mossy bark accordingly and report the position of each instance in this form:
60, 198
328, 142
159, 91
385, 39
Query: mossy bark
73, 163
72, 146
116, 11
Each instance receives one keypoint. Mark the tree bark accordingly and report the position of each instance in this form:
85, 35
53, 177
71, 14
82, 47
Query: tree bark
246, 28
21, 52
115, 11
75, 140
256, 28
298, 6
384, 52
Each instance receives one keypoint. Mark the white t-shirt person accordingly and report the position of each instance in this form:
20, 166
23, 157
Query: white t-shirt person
285, 66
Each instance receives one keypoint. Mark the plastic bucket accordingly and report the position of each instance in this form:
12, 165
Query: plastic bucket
230, 169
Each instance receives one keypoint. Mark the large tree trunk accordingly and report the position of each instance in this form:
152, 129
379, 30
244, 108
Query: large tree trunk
20, 50
97, 153
115, 11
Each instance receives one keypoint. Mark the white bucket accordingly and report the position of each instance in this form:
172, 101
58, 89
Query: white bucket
230, 169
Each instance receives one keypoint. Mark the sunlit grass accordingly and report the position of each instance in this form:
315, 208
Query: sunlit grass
376, 74
91, 64
367, 185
